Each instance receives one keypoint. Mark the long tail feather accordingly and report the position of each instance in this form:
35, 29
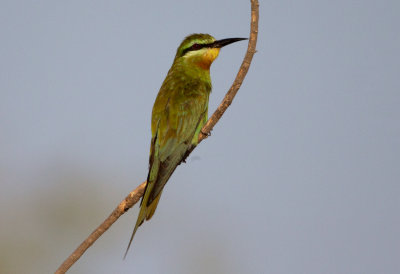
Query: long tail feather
158, 175
142, 213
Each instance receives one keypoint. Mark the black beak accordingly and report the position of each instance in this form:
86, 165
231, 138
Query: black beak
225, 42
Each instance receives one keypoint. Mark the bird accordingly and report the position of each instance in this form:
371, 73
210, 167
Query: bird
179, 112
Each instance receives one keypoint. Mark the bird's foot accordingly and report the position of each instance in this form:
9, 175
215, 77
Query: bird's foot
208, 134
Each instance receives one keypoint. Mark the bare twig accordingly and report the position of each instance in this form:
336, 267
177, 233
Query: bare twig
136, 194
227, 101
124, 206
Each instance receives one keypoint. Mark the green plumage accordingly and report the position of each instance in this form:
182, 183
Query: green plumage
179, 113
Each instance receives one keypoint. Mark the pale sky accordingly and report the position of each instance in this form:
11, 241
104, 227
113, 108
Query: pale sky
301, 175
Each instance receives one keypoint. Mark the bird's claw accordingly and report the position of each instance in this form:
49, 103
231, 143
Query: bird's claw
208, 134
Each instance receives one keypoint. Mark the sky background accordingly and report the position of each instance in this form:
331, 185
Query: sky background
301, 175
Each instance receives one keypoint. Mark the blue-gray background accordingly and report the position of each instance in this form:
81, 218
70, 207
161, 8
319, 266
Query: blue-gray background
300, 176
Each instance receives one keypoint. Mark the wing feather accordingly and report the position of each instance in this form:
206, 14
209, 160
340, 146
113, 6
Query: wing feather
179, 122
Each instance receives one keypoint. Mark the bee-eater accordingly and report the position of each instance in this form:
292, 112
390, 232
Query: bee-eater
179, 113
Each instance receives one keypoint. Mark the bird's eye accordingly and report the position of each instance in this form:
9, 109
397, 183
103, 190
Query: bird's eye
196, 46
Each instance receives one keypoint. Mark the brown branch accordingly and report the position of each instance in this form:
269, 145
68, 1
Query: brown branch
136, 194
124, 206
227, 101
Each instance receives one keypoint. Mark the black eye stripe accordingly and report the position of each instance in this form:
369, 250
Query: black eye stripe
195, 46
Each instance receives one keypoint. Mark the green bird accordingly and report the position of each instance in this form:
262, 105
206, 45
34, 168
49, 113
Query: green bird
179, 113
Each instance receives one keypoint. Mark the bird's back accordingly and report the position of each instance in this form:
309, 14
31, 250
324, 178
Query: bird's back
179, 112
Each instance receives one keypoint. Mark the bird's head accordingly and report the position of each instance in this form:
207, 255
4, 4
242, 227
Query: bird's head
202, 49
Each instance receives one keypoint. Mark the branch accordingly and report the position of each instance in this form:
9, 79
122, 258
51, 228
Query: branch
124, 206
227, 101
136, 194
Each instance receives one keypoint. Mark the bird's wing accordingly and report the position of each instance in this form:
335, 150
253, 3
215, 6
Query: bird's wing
176, 121
177, 124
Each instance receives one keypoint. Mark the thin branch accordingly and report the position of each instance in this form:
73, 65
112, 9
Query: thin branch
227, 101
136, 194
124, 206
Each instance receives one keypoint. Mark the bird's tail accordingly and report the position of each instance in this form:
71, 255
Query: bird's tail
157, 177
146, 211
